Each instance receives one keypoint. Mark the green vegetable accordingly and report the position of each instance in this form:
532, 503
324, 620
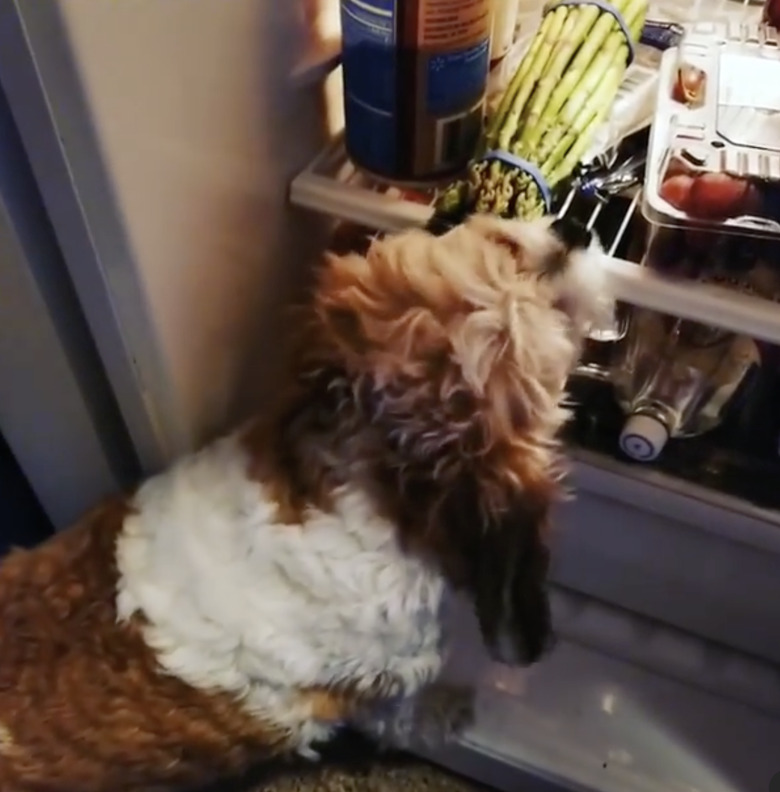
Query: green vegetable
560, 94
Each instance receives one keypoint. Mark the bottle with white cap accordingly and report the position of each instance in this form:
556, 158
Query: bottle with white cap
675, 378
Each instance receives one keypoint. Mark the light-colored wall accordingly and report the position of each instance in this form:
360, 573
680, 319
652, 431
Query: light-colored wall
200, 133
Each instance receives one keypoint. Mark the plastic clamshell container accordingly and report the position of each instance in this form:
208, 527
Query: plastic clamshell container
714, 160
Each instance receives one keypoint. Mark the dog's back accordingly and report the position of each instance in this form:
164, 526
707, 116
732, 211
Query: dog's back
83, 705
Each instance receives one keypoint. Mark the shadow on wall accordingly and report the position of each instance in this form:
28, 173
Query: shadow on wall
22, 520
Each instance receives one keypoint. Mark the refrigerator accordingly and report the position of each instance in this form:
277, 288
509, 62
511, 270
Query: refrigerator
169, 172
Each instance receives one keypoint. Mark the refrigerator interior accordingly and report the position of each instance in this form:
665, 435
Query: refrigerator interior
666, 576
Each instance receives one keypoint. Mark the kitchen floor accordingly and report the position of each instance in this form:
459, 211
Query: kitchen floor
352, 764
408, 775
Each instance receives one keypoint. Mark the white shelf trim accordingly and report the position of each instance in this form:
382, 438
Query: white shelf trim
355, 204
706, 303
709, 304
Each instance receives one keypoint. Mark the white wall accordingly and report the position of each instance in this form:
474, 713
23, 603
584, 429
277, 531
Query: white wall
179, 116
202, 134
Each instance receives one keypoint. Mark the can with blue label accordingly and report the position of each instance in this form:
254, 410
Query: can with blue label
415, 77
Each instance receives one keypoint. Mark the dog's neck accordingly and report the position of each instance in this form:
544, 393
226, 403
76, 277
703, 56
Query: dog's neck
326, 436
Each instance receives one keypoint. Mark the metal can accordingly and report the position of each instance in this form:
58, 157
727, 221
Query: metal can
415, 77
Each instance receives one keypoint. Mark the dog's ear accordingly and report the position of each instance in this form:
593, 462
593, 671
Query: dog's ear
511, 598
502, 561
341, 292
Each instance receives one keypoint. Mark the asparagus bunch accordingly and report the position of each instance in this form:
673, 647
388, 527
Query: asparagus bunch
560, 94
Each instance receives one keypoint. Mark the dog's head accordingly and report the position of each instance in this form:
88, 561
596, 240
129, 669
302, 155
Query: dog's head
456, 350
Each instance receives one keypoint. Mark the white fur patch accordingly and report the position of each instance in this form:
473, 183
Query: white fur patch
584, 289
239, 603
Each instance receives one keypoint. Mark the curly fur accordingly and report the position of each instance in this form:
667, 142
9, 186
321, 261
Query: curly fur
289, 578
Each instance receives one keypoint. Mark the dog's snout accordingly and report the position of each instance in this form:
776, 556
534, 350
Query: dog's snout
516, 651
507, 652
572, 233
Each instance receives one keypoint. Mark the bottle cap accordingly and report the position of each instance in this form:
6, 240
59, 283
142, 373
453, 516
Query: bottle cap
643, 437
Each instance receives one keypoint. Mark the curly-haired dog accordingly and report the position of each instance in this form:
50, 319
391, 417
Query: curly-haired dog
289, 578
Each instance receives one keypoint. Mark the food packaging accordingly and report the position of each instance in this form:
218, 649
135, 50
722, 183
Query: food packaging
714, 153
415, 85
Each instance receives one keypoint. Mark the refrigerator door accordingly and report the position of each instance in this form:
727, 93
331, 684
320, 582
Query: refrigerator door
57, 413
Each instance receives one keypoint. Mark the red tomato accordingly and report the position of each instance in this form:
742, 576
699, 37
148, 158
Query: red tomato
676, 190
718, 196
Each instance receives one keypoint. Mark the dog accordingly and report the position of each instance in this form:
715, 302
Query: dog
289, 579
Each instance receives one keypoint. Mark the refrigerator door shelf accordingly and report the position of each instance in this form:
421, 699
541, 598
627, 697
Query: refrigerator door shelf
587, 721
331, 185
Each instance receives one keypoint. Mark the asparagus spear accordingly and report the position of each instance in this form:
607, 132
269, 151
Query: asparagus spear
449, 201
556, 128
591, 45
496, 122
601, 104
585, 17
590, 103
615, 51
474, 183
505, 193
533, 62
535, 69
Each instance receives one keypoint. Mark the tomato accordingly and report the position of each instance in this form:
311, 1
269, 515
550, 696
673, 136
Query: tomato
676, 190
716, 196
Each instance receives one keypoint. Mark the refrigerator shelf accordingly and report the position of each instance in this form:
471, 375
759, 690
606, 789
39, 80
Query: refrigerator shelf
332, 185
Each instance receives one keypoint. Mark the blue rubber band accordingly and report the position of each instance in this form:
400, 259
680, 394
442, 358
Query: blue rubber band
526, 167
607, 8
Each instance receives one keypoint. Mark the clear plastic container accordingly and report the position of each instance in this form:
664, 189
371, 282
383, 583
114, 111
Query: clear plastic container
675, 378
714, 154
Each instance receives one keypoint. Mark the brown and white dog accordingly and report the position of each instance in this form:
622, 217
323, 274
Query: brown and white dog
290, 577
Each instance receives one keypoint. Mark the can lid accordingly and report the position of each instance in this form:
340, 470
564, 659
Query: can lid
643, 437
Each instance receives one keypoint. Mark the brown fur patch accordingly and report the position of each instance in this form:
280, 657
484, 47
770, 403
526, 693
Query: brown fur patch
83, 705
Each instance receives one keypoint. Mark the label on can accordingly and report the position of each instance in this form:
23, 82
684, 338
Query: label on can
415, 74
